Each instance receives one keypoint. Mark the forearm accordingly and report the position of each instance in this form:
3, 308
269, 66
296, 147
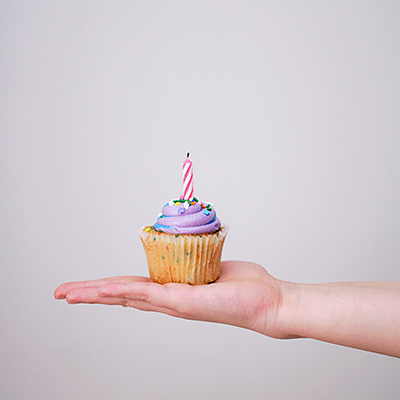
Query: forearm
363, 315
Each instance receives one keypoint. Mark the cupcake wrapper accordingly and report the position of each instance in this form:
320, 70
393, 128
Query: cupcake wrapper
193, 259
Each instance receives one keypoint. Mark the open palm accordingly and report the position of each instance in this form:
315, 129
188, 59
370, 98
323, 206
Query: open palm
245, 295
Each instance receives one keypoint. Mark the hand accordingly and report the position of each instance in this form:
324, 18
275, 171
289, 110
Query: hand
245, 295
364, 315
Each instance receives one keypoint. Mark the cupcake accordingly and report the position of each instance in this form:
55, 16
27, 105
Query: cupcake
185, 244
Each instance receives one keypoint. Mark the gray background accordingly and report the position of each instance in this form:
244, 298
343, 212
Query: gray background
291, 112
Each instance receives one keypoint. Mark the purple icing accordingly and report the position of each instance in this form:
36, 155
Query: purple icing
192, 221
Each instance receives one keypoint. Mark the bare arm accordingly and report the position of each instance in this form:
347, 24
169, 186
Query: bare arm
363, 315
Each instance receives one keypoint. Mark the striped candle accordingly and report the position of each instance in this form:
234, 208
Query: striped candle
187, 178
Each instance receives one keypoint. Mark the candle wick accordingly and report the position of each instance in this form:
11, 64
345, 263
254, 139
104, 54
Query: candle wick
187, 155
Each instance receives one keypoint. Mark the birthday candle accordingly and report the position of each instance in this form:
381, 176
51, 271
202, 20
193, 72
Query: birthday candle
187, 178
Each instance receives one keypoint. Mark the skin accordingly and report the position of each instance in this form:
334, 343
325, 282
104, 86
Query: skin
363, 315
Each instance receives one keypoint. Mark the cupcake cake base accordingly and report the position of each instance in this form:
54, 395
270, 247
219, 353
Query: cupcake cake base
183, 258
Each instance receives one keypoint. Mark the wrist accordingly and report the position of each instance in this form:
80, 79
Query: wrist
288, 310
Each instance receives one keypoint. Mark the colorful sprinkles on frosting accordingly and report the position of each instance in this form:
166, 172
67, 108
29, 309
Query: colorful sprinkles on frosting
183, 205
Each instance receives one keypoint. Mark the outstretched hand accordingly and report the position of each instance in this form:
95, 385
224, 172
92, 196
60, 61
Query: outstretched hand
245, 295
364, 315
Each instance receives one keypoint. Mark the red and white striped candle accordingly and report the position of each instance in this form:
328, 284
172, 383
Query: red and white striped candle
187, 178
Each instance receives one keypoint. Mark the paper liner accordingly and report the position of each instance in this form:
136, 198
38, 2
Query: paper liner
193, 259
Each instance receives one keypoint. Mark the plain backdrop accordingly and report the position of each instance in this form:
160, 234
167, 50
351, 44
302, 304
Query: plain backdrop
291, 112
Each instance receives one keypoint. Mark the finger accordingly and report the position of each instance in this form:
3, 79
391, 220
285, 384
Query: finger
88, 296
149, 292
174, 298
65, 288
91, 296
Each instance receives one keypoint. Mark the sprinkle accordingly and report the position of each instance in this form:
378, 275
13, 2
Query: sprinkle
177, 235
186, 205
193, 203
181, 210
194, 199
147, 229
178, 203
206, 212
